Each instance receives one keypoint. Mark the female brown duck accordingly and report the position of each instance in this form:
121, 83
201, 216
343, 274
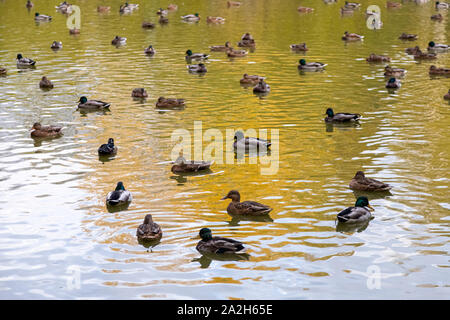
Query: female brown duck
149, 230
360, 182
39, 131
251, 208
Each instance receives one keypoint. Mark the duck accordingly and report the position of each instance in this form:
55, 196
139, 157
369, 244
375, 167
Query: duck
217, 245
29, 4
436, 17
42, 17
45, 83
170, 103
236, 53
393, 83
107, 148
352, 5
305, 9
437, 47
197, 68
119, 196
149, 50
139, 93
261, 87
3, 71
118, 41
103, 9
191, 17
247, 41
233, 3
223, 48
248, 143
299, 47
351, 36
397, 72
92, 104
412, 51
149, 230
442, 5
345, 10
408, 36
419, 55
250, 208
341, 117
439, 71
39, 131
195, 56
357, 214
251, 79
163, 20
148, 25
390, 4
360, 182
128, 7
181, 165
378, 58
23, 62
172, 7
162, 12
310, 66
210, 19
56, 45
64, 7
74, 31
447, 95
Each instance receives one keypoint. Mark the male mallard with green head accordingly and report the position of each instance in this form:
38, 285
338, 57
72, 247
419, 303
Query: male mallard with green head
341, 117
310, 66
39, 131
107, 149
84, 103
249, 143
41, 17
149, 50
393, 83
23, 62
149, 230
250, 208
357, 214
360, 182
217, 245
119, 196
191, 17
437, 47
195, 56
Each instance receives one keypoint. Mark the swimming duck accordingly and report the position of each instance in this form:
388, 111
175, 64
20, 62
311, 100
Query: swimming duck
172, 7
248, 143
64, 7
181, 165
299, 47
396, 72
103, 9
261, 87
310, 66
148, 25
149, 50
251, 208
393, 4
408, 36
197, 68
139, 93
56, 45
39, 131
351, 36
221, 48
169, 103
233, 3
393, 83
149, 230
163, 20
437, 17
437, 47
419, 55
360, 182
442, 5
447, 95
45, 83
352, 5
412, 51
24, 62
128, 7
119, 196
118, 41
217, 245
195, 56
41, 17
439, 71
345, 10
247, 41
210, 19
305, 9
236, 53
161, 12
356, 214
341, 117
29, 4
247, 79
191, 17
92, 104
107, 148
378, 58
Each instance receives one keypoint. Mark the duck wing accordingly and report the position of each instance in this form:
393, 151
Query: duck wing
346, 117
353, 214
105, 149
373, 184
252, 208
225, 245
97, 103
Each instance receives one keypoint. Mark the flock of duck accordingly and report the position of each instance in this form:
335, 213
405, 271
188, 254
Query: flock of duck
120, 198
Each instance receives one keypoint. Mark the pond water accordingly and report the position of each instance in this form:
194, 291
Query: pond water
58, 240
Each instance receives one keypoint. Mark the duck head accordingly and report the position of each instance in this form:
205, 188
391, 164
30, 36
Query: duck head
359, 175
330, 112
19, 56
36, 14
233, 195
392, 80
148, 219
83, 99
36, 126
205, 234
189, 52
431, 43
363, 202
302, 62
120, 186
196, 14
239, 135
111, 142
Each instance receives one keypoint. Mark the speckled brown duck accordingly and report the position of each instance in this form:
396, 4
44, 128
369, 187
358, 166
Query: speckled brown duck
362, 183
250, 208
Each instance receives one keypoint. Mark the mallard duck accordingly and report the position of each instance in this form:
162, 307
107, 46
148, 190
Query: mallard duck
74, 31
41, 17
128, 7
56, 45
149, 50
39, 131
148, 25
393, 83
2, 71
191, 17
236, 53
24, 62
439, 71
299, 47
64, 7
119, 196
45, 83
221, 48
360, 182
195, 56
197, 68
181, 165
217, 245
437, 17
233, 3
163, 20
261, 87
442, 5
378, 58
437, 47
310, 66
172, 7
393, 4
412, 51
247, 79
169, 103
419, 55
247, 143
305, 9
341, 117
394, 72
29, 4
210, 19
351, 36
92, 104
447, 95
408, 36
356, 214
139, 93
251, 208
107, 148
162, 12
103, 9
352, 5
118, 41
345, 10
149, 230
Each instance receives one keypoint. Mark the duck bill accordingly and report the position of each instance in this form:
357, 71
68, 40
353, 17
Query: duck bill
370, 207
224, 198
